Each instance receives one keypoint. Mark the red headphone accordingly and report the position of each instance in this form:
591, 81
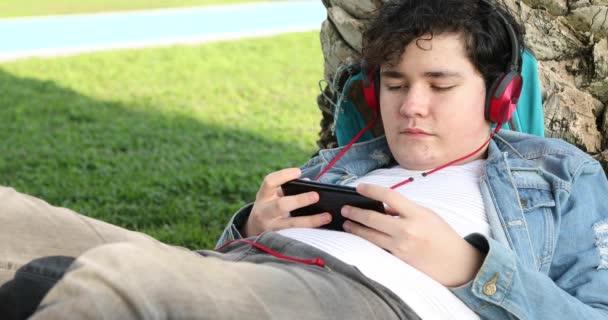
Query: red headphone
501, 97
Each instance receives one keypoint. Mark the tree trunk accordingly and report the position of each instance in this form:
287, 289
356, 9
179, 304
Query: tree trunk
567, 37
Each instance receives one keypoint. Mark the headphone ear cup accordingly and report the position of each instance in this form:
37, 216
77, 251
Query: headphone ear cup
377, 86
502, 98
371, 88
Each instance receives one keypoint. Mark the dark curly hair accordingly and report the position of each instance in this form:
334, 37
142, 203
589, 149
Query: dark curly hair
487, 42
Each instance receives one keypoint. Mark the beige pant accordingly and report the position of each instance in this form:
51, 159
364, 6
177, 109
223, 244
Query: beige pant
31, 228
119, 274
38, 242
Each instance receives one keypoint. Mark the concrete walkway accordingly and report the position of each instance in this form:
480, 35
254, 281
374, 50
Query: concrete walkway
72, 34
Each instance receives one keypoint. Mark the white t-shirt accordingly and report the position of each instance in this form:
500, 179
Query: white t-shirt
454, 194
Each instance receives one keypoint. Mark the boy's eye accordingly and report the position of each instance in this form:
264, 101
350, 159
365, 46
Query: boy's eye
440, 88
395, 88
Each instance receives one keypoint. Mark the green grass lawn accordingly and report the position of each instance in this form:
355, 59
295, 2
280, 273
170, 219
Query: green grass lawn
168, 141
16, 8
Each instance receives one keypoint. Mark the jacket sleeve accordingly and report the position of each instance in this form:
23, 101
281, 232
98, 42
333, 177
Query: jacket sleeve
575, 286
235, 225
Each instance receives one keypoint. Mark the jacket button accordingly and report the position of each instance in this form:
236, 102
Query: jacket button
523, 202
490, 287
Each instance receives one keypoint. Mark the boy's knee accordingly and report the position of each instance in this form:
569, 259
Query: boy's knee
132, 257
113, 272
137, 262
122, 277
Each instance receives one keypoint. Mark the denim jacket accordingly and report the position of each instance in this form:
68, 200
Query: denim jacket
547, 205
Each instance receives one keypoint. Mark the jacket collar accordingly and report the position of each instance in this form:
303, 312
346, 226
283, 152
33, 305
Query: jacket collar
378, 149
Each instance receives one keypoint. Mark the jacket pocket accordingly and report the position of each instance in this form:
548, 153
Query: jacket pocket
537, 202
535, 199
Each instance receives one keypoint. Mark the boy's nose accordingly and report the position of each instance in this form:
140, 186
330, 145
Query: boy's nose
415, 103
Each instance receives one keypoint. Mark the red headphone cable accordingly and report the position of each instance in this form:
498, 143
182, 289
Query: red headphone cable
347, 147
314, 261
410, 179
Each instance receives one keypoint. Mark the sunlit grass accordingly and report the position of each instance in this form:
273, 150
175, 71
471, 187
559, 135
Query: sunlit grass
169, 141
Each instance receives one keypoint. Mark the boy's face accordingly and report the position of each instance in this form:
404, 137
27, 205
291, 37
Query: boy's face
432, 104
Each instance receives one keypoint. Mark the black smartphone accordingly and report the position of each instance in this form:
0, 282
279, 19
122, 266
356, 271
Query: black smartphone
331, 199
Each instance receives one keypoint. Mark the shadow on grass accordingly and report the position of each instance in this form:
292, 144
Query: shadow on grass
174, 177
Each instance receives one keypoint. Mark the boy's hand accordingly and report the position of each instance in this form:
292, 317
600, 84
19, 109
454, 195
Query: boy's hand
418, 236
271, 208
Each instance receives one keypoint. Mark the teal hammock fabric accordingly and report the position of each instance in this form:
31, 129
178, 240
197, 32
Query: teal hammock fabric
529, 113
528, 116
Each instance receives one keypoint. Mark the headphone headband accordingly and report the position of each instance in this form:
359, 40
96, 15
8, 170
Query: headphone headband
515, 51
